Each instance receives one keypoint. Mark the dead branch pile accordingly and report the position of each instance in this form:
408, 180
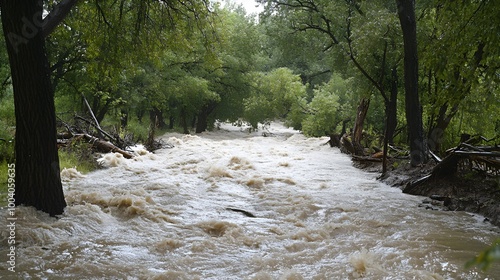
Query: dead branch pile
463, 159
105, 143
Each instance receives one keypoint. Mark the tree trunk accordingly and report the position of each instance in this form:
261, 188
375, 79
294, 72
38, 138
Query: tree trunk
436, 133
391, 107
139, 114
101, 112
184, 122
171, 122
156, 117
38, 181
418, 149
357, 134
202, 123
124, 118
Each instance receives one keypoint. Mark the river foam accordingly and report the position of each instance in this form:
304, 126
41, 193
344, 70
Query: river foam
231, 204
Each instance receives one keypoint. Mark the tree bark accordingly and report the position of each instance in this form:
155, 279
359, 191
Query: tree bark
436, 133
202, 120
203, 115
418, 149
357, 134
38, 181
391, 123
184, 122
56, 16
391, 108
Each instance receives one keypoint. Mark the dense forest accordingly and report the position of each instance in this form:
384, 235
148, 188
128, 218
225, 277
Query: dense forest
326, 68
417, 75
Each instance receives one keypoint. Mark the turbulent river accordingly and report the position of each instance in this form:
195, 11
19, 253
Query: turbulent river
186, 213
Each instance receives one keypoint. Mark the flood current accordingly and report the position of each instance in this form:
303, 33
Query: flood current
230, 204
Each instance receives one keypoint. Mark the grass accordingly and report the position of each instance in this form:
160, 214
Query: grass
67, 159
3, 183
72, 160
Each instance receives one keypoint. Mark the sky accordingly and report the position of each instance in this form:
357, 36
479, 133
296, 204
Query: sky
249, 5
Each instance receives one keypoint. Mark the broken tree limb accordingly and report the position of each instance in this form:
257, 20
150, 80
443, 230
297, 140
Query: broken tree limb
110, 137
435, 157
105, 146
463, 158
410, 187
90, 111
478, 153
244, 212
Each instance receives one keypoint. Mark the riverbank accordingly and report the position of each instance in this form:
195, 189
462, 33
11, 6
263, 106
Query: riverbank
473, 192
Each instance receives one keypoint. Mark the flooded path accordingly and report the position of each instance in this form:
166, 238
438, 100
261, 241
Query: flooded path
236, 205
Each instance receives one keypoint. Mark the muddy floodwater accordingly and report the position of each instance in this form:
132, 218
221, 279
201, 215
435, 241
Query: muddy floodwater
230, 204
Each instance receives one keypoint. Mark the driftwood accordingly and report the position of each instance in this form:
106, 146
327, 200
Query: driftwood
105, 146
101, 131
244, 212
101, 145
462, 159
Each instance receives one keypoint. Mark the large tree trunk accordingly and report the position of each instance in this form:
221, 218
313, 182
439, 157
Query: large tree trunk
38, 181
184, 122
418, 147
202, 123
357, 134
436, 132
205, 111
391, 107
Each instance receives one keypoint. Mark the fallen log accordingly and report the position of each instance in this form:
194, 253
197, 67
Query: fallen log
106, 147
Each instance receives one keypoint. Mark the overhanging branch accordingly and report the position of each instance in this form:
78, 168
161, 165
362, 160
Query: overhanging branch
56, 16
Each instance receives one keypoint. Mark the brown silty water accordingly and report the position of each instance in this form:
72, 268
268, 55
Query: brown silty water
231, 204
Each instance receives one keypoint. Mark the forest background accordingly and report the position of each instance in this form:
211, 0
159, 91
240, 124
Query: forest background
327, 68
323, 67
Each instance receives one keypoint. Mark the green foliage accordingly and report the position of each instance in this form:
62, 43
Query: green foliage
486, 258
3, 182
277, 94
459, 46
194, 61
328, 108
78, 155
324, 118
7, 127
138, 129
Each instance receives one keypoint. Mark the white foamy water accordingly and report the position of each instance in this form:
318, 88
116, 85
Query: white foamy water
185, 213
